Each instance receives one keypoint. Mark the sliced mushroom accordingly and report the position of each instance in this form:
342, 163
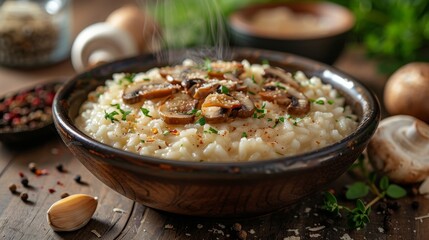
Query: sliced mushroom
216, 107
219, 69
273, 94
300, 105
282, 75
138, 91
177, 109
206, 89
247, 107
173, 74
221, 100
296, 102
215, 114
191, 85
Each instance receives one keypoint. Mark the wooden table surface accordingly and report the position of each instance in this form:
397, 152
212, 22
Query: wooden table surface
20, 220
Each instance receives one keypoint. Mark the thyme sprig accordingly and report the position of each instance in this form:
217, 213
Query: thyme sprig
359, 216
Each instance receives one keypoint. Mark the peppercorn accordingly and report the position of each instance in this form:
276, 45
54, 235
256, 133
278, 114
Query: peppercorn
24, 182
51, 190
64, 195
415, 205
387, 223
32, 167
24, 197
12, 188
242, 235
78, 179
60, 167
236, 227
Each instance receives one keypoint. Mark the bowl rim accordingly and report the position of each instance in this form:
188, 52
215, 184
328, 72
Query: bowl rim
238, 20
312, 159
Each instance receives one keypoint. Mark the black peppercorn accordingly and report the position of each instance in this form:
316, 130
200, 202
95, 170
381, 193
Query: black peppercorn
415, 205
24, 197
24, 182
60, 168
78, 179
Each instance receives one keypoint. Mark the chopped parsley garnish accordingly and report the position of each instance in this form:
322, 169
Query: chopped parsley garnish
243, 135
253, 79
297, 120
166, 132
201, 121
269, 119
145, 112
146, 79
320, 102
111, 116
195, 112
279, 86
330, 102
224, 89
123, 112
142, 141
265, 62
251, 93
262, 112
279, 120
213, 130
128, 77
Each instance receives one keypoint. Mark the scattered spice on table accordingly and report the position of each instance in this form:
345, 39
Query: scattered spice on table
32, 166
64, 195
51, 190
12, 188
60, 167
78, 179
25, 182
24, 197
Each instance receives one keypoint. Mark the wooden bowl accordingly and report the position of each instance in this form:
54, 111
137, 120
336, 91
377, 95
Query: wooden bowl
322, 45
216, 189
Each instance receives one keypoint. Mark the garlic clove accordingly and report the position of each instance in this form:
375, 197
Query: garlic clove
424, 187
72, 212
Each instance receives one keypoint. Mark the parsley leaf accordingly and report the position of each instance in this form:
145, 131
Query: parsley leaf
111, 116
224, 89
201, 121
243, 135
145, 112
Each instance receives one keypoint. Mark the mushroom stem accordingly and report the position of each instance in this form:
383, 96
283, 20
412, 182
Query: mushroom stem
418, 136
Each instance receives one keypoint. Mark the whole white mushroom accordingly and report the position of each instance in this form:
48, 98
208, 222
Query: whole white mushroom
407, 91
400, 149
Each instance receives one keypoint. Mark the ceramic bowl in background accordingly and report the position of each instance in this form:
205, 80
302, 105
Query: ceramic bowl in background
234, 189
317, 30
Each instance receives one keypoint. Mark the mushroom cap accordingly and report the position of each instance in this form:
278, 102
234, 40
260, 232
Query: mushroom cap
406, 91
400, 149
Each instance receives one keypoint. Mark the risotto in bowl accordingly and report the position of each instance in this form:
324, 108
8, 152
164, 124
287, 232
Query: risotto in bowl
232, 137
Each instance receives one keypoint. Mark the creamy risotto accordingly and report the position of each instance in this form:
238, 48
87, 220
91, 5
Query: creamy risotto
216, 112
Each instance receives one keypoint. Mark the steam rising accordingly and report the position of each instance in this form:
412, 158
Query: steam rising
196, 24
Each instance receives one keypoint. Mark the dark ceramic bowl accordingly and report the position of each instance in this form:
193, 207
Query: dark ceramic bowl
323, 46
216, 189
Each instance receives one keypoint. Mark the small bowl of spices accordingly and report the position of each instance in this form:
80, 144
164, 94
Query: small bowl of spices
26, 115
34, 33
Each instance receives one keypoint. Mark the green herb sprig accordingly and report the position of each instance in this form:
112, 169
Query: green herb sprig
359, 216
123, 112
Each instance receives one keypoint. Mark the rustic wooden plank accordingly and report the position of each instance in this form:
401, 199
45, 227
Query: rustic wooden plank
19, 220
304, 220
